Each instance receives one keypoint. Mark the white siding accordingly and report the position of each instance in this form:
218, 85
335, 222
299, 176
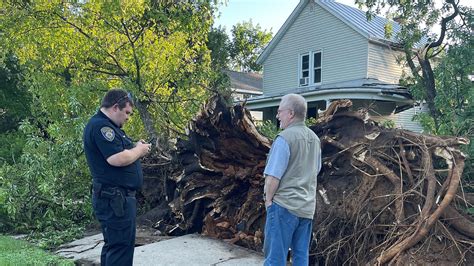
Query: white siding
404, 119
382, 63
344, 51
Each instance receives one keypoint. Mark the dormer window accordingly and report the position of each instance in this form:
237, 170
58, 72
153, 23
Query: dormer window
310, 69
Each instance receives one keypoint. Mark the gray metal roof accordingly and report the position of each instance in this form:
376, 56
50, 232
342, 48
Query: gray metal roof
374, 28
353, 17
245, 80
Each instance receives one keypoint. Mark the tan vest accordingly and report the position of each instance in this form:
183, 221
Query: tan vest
297, 189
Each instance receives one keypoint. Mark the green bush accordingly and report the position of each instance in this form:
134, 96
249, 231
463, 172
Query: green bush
47, 189
387, 123
268, 129
311, 121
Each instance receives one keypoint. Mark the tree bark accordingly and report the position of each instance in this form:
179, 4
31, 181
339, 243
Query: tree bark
429, 85
147, 120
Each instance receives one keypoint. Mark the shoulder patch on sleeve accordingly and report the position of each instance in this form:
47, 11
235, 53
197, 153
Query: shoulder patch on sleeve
108, 133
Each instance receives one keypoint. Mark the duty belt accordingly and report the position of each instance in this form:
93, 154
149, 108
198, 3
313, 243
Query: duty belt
105, 191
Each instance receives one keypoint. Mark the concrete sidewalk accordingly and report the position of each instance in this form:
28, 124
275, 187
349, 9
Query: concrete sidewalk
191, 249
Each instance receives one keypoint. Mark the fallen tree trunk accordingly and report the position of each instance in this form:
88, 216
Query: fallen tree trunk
380, 192
219, 191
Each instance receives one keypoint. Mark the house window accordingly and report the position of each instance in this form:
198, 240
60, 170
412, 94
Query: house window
317, 67
304, 74
310, 68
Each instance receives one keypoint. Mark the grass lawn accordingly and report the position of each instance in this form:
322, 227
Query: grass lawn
18, 252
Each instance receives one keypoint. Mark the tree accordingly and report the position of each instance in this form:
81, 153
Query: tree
248, 41
417, 20
240, 53
219, 45
71, 54
155, 49
441, 67
455, 92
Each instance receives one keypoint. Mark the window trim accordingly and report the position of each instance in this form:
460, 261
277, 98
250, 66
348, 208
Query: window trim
311, 68
312, 77
300, 69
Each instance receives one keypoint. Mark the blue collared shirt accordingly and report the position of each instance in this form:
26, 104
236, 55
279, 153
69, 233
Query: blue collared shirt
278, 159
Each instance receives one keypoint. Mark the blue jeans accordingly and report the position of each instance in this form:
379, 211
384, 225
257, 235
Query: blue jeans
284, 230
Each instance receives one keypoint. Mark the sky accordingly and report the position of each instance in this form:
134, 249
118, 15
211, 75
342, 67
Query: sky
269, 14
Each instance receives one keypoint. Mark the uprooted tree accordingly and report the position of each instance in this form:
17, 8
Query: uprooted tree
381, 192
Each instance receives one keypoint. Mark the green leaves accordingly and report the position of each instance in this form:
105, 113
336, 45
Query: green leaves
14, 96
219, 44
268, 129
47, 188
68, 54
155, 49
388, 29
248, 42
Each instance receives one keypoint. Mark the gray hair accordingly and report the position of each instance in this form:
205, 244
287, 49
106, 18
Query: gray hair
297, 104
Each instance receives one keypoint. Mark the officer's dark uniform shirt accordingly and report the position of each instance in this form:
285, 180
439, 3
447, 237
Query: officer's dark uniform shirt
102, 139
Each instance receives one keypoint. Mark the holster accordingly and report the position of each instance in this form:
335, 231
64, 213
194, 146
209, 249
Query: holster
117, 199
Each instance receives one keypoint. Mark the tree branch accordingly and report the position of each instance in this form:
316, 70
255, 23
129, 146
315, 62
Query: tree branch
107, 72
444, 22
135, 57
411, 64
90, 38
439, 51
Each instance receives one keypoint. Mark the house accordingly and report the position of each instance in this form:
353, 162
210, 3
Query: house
327, 51
245, 85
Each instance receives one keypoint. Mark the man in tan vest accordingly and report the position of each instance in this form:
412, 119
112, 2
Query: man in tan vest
290, 185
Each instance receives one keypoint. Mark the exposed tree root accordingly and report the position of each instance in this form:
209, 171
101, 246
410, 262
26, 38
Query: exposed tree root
383, 194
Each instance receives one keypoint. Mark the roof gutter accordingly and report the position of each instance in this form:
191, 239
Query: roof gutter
390, 44
339, 93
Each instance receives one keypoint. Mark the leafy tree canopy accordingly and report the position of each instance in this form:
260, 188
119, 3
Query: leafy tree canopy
70, 53
220, 45
248, 41
156, 49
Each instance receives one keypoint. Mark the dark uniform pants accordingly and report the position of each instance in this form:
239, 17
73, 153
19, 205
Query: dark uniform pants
119, 232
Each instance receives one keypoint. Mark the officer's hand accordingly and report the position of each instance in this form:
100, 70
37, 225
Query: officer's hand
143, 147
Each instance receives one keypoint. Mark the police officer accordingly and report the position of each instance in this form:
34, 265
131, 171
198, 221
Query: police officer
114, 162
